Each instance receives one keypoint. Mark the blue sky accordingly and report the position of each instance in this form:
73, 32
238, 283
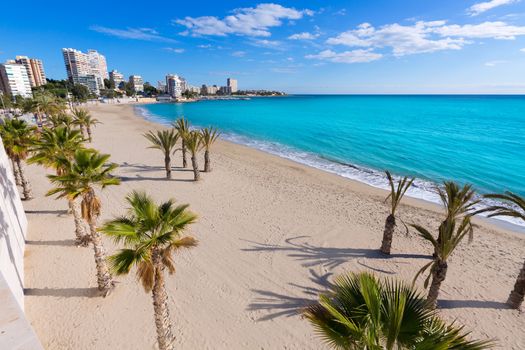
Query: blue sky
358, 46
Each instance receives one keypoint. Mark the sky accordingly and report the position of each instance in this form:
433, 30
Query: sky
353, 46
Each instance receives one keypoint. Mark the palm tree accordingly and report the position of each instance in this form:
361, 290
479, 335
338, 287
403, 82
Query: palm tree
60, 119
193, 144
55, 149
165, 141
151, 233
83, 119
89, 169
395, 196
450, 234
208, 137
183, 127
362, 312
46, 104
18, 138
517, 210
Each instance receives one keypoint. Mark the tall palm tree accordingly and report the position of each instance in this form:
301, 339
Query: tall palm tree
517, 210
18, 138
395, 196
88, 170
450, 234
362, 312
165, 141
55, 149
151, 233
194, 145
183, 127
208, 137
84, 120
46, 104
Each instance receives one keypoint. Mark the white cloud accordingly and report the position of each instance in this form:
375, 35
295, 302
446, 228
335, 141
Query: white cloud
424, 37
146, 34
238, 54
522, 50
354, 56
485, 30
481, 7
250, 21
494, 63
174, 49
206, 46
272, 44
303, 36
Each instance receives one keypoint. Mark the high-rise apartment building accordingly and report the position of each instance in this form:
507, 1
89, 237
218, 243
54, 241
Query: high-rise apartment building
175, 85
14, 79
35, 70
116, 77
86, 68
232, 84
137, 84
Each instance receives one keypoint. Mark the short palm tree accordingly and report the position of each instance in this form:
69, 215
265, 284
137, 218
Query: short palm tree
46, 104
165, 141
450, 233
194, 145
151, 233
84, 120
183, 127
60, 119
89, 169
395, 196
208, 137
18, 137
517, 210
362, 312
55, 149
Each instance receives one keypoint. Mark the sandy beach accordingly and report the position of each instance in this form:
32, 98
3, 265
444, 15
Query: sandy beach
272, 234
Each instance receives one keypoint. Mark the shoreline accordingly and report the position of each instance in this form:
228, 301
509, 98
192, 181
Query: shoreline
240, 140
272, 234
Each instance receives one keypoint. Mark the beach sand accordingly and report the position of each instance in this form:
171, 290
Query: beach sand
272, 234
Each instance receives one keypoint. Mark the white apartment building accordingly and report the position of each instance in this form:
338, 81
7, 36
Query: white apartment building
35, 70
116, 77
175, 85
14, 79
137, 83
232, 84
82, 68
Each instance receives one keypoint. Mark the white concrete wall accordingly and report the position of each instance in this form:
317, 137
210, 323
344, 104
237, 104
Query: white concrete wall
15, 330
13, 228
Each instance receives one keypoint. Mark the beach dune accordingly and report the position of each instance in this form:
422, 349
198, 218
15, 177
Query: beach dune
272, 234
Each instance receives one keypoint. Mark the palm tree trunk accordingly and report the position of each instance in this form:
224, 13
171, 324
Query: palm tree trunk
104, 279
26, 187
184, 161
89, 133
439, 273
518, 293
83, 132
16, 173
165, 336
388, 234
167, 164
196, 172
207, 161
82, 238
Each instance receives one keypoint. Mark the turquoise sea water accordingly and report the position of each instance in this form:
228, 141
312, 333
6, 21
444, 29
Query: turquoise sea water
470, 139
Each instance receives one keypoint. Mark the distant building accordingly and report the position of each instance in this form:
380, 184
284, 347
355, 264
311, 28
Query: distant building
232, 84
225, 90
14, 79
204, 90
137, 84
212, 90
35, 70
161, 86
116, 78
84, 67
175, 85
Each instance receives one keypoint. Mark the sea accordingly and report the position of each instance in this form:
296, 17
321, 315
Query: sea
479, 140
